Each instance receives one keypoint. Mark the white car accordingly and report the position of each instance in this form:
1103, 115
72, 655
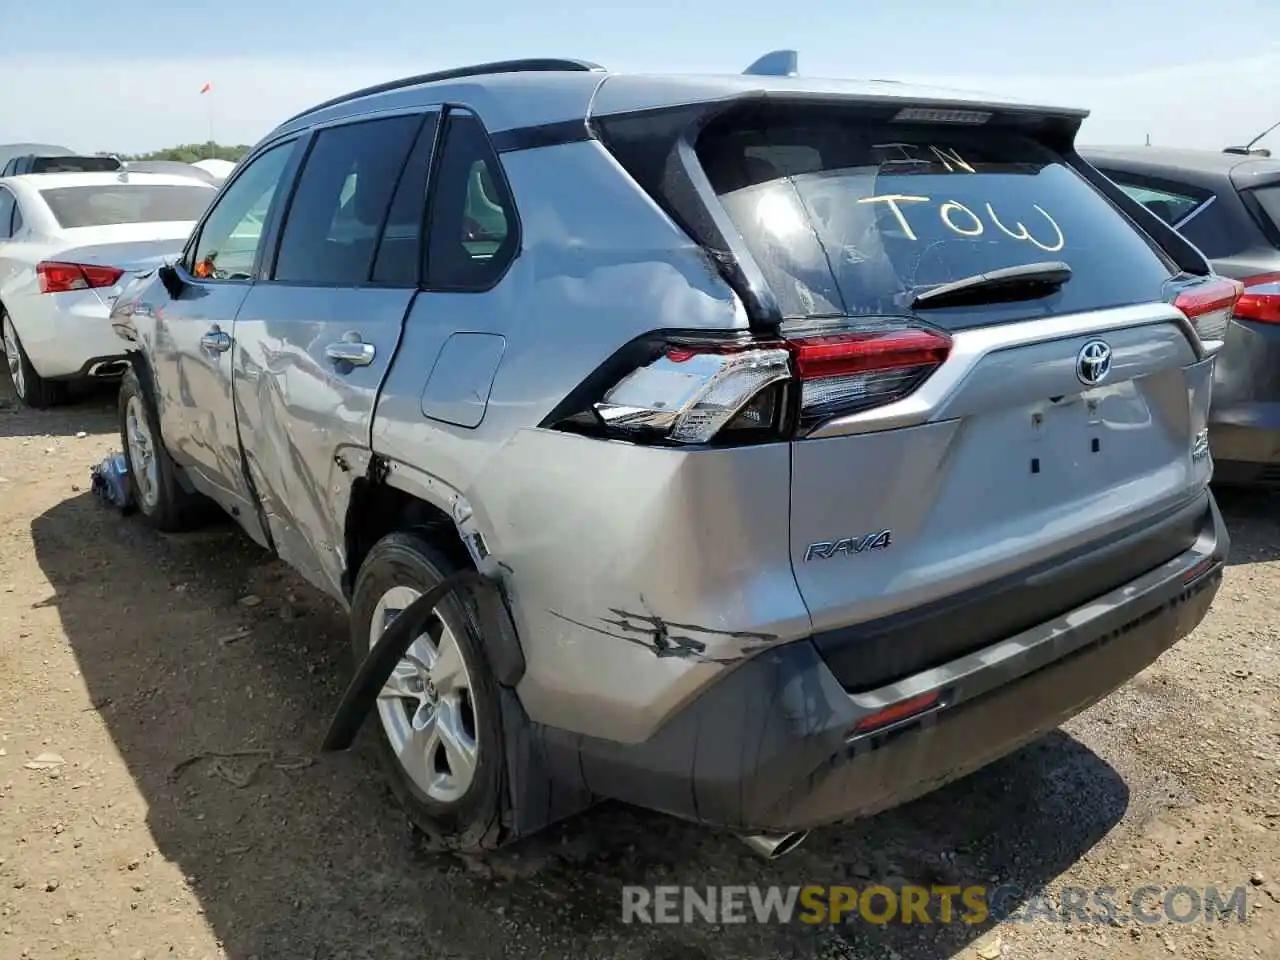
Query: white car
68, 244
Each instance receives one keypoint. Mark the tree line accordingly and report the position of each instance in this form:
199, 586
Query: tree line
191, 152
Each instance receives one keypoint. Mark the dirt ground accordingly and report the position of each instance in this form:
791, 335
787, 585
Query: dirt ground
171, 692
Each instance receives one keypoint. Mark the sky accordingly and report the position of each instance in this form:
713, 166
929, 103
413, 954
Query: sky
125, 75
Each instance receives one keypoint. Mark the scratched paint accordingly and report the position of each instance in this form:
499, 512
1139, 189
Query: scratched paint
665, 638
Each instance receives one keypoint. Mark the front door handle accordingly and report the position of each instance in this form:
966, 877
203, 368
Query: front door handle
350, 349
216, 341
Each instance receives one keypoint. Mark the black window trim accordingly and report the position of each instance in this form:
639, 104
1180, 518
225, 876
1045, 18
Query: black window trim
514, 224
287, 176
266, 269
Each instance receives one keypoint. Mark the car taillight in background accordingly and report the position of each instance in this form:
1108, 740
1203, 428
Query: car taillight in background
1260, 301
58, 277
1209, 305
698, 392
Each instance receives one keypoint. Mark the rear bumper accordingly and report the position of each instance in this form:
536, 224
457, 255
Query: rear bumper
1245, 441
1244, 419
768, 747
65, 334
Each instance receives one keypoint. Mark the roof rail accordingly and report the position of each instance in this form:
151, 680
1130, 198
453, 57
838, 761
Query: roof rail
528, 65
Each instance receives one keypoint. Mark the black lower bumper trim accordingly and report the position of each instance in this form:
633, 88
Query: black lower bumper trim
868, 655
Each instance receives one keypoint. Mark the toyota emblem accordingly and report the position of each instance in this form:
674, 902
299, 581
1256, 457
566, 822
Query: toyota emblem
1093, 362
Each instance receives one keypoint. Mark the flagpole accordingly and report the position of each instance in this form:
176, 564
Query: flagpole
207, 91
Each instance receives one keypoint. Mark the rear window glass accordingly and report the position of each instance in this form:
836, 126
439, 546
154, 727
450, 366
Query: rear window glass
855, 219
101, 206
74, 164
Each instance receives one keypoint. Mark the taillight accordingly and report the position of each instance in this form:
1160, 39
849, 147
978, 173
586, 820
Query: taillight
698, 392
56, 276
692, 392
845, 372
1260, 301
1208, 304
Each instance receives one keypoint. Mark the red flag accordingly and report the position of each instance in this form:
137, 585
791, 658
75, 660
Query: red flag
207, 87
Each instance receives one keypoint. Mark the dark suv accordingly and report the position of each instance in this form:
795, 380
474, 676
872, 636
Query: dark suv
1228, 205
58, 163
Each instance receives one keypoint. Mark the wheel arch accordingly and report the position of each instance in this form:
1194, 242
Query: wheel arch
377, 508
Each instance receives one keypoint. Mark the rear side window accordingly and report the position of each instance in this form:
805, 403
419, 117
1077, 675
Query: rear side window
1269, 201
331, 231
855, 219
473, 234
101, 206
7, 208
1167, 205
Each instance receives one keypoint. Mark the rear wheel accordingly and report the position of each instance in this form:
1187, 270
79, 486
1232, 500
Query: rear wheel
153, 478
441, 734
32, 389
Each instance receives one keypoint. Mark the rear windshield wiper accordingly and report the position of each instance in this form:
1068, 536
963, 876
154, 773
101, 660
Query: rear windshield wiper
1025, 282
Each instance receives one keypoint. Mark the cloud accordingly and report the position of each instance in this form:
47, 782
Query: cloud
136, 105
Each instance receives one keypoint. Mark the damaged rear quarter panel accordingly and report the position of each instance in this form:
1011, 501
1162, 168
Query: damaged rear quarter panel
637, 575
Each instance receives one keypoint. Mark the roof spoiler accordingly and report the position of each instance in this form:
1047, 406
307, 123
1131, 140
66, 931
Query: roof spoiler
776, 63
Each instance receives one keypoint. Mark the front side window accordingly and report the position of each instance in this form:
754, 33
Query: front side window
473, 232
228, 244
331, 229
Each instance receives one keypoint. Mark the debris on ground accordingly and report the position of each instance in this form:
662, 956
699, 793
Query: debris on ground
109, 482
222, 766
45, 761
234, 637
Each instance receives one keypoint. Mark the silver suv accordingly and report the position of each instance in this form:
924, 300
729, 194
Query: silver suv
827, 439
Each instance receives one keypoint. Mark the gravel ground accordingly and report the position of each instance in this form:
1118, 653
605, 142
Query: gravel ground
170, 693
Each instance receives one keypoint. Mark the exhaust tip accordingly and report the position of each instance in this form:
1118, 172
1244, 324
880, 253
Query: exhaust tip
771, 846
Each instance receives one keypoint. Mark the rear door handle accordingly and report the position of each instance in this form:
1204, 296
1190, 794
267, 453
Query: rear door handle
350, 349
216, 341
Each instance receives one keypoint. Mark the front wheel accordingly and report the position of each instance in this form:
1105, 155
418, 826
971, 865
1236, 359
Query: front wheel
153, 479
441, 732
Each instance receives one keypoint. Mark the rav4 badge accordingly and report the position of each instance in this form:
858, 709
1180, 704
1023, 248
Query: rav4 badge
848, 546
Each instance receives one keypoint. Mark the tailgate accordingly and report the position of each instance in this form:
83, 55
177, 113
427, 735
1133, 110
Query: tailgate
1002, 493
1001, 413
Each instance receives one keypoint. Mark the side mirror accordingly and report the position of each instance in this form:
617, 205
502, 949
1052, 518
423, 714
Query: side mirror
172, 279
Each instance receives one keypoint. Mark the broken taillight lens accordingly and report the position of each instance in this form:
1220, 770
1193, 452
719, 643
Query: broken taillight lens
690, 393
694, 393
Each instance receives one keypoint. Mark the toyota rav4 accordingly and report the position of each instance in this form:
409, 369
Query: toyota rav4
826, 440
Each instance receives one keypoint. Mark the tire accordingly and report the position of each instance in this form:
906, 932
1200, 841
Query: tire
31, 388
153, 482
469, 820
